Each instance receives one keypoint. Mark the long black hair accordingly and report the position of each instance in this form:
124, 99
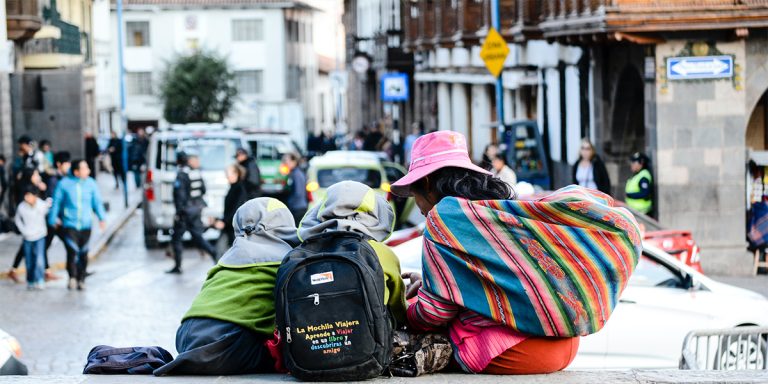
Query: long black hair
464, 183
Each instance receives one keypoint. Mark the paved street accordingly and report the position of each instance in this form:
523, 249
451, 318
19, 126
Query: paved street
129, 301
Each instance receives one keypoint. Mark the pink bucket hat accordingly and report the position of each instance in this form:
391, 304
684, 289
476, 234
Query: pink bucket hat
434, 151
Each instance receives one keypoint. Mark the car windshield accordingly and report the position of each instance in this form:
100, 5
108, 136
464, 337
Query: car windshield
369, 177
215, 153
272, 149
650, 273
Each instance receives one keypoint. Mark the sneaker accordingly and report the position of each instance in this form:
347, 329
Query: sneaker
30, 287
175, 270
81, 285
40, 286
72, 283
12, 275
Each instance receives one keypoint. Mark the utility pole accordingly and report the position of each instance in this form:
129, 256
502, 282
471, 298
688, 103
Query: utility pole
496, 21
121, 77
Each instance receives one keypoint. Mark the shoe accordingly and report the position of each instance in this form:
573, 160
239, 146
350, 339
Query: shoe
31, 287
12, 275
175, 270
50, 276
40, 286
81, 285
72, 283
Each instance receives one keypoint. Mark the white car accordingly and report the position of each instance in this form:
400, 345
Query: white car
10, 352
664, 300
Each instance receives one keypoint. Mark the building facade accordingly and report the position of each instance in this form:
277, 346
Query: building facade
375, 48
609, 70
268, 45
52, 87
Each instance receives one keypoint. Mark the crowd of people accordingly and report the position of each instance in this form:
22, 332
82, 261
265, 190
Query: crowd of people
49, 194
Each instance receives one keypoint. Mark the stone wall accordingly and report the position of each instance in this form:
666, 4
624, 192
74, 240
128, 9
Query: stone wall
701, 155
58, 116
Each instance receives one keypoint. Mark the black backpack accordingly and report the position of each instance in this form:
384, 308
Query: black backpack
330, 310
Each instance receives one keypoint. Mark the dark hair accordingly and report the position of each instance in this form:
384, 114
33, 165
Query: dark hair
30, 189
24, 139
76, 165
500, 157
2, 157
293, 156
43, 143
464, 183
61, 157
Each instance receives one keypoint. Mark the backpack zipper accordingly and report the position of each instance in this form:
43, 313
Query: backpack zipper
288, 334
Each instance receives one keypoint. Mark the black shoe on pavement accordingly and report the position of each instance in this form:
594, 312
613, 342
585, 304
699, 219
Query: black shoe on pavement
176, 271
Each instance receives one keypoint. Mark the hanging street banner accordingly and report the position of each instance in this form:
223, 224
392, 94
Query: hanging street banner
700, 67
394, 87
494, 52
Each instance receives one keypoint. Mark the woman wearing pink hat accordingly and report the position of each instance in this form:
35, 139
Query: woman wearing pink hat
515, 282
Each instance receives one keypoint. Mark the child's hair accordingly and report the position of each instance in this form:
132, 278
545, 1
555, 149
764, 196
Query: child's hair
61, 157
30, 189
501, 158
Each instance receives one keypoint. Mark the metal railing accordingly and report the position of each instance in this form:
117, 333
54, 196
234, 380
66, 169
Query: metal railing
742, 348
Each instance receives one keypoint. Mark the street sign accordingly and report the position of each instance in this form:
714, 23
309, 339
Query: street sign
394, 87
494, 52
701, 67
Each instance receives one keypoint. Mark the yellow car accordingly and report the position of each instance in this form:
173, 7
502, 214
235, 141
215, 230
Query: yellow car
364, 167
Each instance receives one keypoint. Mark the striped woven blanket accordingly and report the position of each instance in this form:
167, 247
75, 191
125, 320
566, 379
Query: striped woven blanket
551, 267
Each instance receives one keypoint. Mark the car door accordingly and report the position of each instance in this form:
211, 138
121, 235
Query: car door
654, 314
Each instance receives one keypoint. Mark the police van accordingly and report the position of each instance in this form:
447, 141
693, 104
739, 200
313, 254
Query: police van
215, 145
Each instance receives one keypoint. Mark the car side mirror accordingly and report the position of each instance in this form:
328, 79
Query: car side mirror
688, 282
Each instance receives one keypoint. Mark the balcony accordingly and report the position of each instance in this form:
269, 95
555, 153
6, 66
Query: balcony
56, 45
565, 19
23, 19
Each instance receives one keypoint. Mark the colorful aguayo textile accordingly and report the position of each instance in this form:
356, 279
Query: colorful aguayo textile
552, 267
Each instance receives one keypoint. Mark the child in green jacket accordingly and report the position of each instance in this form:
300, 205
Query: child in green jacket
224, 331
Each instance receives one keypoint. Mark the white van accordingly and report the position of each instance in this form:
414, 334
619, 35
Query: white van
215, 145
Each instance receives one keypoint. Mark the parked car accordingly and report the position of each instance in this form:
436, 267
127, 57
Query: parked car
268, 149
10, 353
365, 167
664, 300
215, 145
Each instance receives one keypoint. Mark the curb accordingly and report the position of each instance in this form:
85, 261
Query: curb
100, 244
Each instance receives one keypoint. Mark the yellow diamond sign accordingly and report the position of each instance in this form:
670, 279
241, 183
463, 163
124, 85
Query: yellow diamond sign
494, 52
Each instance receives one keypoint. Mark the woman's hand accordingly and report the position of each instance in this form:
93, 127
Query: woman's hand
413, 285
218, 224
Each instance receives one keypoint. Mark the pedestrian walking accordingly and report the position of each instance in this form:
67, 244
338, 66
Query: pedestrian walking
29, 179
226, 330
490, 152
91, 152
373, 139
47, 157
30, 220
252, 174
27, 159
589, 170
3, 180
236, 196
639, 188
501, 170
75, 201
137, 152
62, 161
115, 150
417, 129
491, 280
188, 191
297, 187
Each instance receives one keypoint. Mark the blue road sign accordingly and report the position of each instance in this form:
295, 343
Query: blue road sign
702, 67
394, 87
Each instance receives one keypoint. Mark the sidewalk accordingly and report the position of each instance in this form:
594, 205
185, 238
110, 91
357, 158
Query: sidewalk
571, 377
117, 214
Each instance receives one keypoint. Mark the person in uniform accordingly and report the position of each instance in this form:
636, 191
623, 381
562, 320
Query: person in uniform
639, 188
188, 191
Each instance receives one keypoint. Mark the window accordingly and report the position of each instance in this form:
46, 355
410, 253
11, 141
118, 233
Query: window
138, 83
137, 33
369, 177
249, 82
247, 30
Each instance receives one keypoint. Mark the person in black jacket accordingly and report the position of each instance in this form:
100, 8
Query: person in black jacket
252, 177
589, 171
236, 196
188, 191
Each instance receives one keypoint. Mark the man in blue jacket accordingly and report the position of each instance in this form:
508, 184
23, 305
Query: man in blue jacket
75, 200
